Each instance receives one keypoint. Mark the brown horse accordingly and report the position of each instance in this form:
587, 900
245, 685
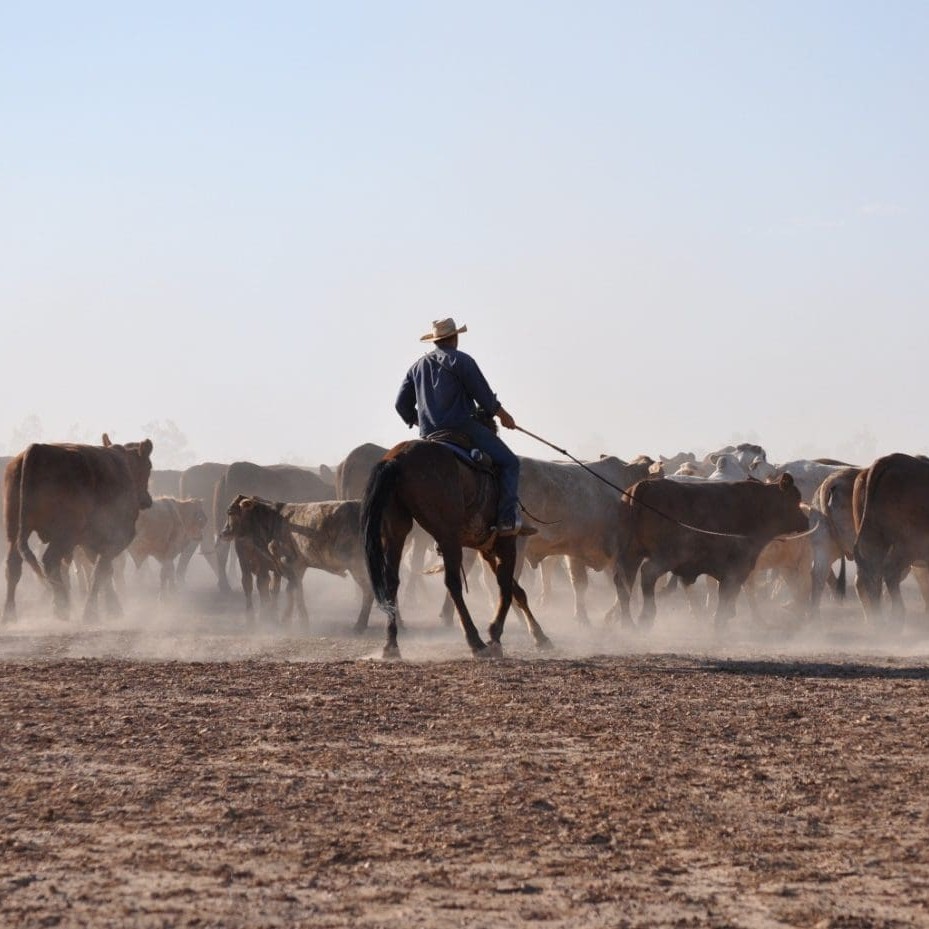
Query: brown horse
456, 505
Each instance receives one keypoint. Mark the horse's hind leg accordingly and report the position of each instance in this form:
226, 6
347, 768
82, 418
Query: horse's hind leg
395, 531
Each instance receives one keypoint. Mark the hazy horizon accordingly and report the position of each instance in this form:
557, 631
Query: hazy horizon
667, 226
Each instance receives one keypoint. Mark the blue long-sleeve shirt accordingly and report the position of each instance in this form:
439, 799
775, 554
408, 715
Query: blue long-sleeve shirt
441, 389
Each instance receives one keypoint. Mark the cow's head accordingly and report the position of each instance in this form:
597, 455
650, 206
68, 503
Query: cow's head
762, 468
193, 517
138, 457
236, 514
252, 519
791, 516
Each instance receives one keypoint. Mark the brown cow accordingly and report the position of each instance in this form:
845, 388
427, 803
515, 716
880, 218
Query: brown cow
277, 482
326, 536
73, 495
164, 531
257, 567
731, 523
891, 511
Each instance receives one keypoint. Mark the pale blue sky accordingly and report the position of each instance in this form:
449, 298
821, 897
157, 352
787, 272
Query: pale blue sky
666, 224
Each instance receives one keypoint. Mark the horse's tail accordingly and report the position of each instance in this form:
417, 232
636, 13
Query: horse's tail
378, 495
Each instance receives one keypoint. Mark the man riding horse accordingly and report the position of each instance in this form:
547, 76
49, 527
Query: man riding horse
442, 392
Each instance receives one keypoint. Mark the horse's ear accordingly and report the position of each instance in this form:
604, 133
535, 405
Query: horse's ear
106, 441
246, 503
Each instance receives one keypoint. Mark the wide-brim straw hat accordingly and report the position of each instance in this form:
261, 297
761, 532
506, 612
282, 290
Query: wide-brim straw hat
442, 329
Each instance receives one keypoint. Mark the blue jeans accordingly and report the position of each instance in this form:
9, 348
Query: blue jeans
507, 464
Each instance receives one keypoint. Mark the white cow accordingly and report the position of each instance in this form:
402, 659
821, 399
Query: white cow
728, 469
807, 474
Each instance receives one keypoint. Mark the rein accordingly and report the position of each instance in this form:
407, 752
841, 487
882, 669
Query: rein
648, 506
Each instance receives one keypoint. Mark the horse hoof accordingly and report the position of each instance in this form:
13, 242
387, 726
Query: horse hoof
490, 650
545, 644
391, 653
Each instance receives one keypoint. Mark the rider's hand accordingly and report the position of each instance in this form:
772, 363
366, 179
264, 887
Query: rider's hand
506, 420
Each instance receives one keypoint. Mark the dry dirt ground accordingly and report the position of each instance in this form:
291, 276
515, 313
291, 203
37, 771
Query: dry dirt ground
188, 771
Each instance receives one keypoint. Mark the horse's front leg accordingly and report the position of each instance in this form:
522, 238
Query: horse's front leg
451, 556
503, 560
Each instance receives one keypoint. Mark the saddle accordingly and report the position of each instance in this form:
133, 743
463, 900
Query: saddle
464, 449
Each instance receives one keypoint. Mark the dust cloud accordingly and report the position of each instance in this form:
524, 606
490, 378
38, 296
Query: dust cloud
198, 623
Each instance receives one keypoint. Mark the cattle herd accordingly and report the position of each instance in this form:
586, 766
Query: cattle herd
733, 517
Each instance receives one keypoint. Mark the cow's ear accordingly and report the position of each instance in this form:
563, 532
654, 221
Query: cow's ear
145, 448
106, 441
785, 482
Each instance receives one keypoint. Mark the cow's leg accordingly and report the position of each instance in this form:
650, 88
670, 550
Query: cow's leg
263, 581
367, 600
112, 588
577, 571
101, 579
548, 569
296, 598
895, 569
650, 572
751, 594
620, 608
869, 581
52, 558
921, 574
451, 556
167, 577
821, 571
729, 588
222, 556
183, 560
246, 572
14, 571
247, 588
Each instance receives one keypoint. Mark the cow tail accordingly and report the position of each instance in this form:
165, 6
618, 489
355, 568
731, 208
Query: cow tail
378, 495
23, 531
840, 582
872, 478
220, 503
